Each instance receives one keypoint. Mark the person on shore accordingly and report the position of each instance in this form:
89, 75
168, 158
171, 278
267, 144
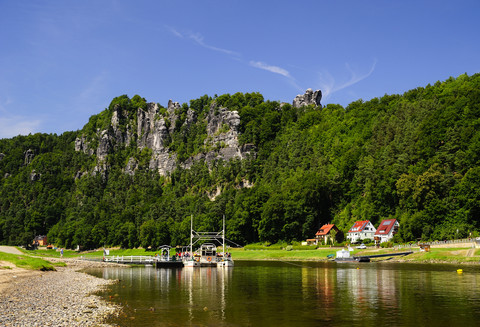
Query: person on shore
61, 253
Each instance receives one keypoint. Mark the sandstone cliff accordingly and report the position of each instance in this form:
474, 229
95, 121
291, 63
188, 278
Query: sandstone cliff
153, 129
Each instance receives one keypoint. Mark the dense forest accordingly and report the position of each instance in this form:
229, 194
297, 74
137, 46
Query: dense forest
414, 157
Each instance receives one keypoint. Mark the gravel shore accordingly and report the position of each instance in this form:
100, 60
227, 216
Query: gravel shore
60, 298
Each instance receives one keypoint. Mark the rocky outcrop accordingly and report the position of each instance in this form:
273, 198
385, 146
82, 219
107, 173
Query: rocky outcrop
152, 130
132, 165
81, 144
153, 133
172, 110
34, 176
115, 122
222, 141
104, 145
29, 155
155, 127
80, 174
310, 97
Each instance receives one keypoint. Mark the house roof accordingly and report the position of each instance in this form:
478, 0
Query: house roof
359, 226
385, 227
325, 229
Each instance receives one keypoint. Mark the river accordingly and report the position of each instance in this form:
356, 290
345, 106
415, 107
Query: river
269, 293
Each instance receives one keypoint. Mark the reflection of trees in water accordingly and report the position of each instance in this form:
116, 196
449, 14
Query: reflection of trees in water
276, 294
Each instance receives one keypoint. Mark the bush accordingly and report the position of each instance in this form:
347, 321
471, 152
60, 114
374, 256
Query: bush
388, 244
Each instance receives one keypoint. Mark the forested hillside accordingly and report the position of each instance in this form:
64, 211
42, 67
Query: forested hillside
414, 157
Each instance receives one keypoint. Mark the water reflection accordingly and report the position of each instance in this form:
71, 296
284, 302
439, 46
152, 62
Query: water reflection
155, 297
308, 294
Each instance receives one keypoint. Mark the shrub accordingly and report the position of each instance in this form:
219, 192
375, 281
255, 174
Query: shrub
388, 244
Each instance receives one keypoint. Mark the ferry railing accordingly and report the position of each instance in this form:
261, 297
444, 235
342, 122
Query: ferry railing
130, 259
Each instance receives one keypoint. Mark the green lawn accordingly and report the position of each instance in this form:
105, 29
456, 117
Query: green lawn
27, 262
444, 255
435, 255
245, 254
50, 253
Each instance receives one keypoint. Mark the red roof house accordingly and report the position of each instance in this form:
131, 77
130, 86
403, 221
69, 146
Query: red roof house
40, 240
361, 230
387, 229
324, 234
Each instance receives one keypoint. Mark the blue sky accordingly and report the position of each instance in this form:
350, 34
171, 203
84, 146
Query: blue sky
63, 61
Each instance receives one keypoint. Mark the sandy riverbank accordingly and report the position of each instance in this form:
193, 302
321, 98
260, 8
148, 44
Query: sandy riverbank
58, 298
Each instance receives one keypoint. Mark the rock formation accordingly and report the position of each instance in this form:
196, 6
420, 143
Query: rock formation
310, 97
81, 144
29, 155
154, 130
154, 127
34, 176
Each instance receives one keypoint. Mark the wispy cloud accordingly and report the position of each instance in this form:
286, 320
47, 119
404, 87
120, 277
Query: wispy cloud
174, 31
198, 39
329, 85
270, 68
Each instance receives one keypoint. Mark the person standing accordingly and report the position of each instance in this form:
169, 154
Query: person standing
61, 253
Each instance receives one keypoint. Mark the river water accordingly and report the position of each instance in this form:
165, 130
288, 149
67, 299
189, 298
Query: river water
266, 293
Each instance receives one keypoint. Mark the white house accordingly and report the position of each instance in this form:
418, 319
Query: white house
387, 229
361, 230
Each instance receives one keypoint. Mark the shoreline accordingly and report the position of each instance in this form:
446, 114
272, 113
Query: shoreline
429, 262
58, 298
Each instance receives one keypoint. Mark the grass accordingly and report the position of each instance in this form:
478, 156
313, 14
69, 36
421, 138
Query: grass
27, 262
280, 246
274, 254
453, 255
284, 251
50, 253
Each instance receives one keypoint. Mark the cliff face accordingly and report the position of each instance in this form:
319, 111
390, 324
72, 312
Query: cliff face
153, 129
223, 132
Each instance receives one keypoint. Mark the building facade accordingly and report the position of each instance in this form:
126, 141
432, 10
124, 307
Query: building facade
386, 230
360, 231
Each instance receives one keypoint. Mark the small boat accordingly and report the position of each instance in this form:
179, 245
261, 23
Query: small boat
344, 256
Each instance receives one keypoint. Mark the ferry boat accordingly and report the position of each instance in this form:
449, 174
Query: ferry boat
207, 255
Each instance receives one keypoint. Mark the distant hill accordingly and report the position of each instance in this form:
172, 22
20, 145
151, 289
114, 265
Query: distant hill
136, 172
